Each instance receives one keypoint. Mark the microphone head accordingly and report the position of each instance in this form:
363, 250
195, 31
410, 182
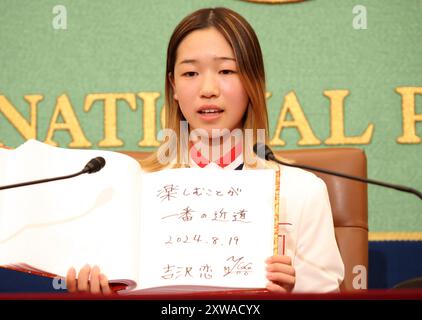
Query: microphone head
263, 151
94, 165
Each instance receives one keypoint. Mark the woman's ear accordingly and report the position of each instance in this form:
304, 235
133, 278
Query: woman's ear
171, 80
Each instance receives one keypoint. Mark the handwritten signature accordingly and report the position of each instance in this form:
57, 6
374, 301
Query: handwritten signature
238, 266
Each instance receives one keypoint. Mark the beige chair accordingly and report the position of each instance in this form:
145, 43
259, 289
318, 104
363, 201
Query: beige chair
348, 202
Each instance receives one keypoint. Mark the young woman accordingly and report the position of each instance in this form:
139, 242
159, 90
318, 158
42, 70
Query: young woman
215, 85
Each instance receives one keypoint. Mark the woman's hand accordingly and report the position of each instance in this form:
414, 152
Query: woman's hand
89, 280
281, 274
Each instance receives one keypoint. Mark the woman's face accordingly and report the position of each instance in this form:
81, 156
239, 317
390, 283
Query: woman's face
206, 82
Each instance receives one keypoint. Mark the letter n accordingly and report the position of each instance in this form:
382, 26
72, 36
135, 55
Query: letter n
27, 129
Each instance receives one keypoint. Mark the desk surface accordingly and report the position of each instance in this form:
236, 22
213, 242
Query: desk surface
398, 294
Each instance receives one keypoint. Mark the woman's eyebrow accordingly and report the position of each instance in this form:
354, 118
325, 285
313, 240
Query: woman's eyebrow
194, 61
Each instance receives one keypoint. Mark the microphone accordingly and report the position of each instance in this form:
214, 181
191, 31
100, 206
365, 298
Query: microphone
264, 152
94, 165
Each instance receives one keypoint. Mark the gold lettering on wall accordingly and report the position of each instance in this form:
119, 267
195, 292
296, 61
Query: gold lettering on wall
110, 114
149, 116
409, 115
291, 116
274, 1
163, 116
291, 105
337, 121
70, 123
27, 129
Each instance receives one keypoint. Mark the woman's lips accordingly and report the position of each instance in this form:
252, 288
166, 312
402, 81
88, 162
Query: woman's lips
210, 113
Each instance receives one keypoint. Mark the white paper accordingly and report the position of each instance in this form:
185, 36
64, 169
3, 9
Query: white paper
89, 219
206, 227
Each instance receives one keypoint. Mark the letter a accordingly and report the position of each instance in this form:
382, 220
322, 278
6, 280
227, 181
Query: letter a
360, 21
60, 20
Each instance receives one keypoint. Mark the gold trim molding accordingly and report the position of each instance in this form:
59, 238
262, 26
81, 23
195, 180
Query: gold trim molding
273, 1
395, 236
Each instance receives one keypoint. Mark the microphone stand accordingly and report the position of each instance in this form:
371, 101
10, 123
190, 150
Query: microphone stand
269, 155
16, 185
92, 166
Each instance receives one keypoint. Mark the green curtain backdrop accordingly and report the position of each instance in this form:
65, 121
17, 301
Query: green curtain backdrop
309, 48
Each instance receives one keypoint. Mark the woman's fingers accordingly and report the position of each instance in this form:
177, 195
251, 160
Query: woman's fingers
279, 267
89, 280
279, 259
105, 288
281, 278
94, 280
83, 278
281, 273
275, 288
280, 282
71, 280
